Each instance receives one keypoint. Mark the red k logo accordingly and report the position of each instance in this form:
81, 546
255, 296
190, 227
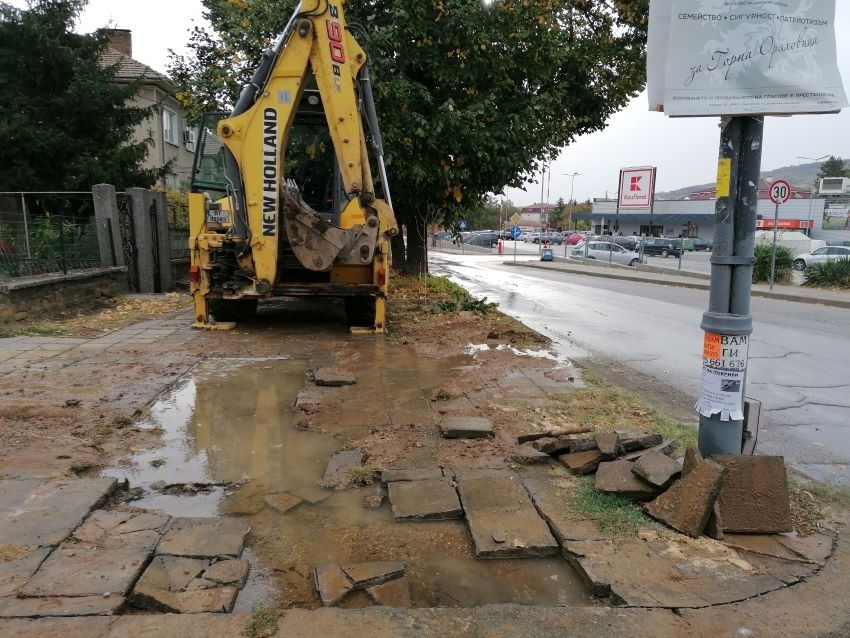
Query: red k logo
635, 184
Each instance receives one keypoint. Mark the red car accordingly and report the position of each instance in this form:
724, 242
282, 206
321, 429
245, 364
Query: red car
573, 238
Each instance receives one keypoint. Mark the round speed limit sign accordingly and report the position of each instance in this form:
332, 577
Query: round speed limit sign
779, 191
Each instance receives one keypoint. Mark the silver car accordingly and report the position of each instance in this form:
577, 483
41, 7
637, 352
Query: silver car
605, 250
821, 256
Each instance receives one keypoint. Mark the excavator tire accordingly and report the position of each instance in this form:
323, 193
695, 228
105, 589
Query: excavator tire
360, 311
233, 309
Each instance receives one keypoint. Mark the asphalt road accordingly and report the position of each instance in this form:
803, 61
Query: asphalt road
799, 364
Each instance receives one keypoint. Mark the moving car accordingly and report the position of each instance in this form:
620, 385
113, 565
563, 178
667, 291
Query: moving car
605, 250
821, 255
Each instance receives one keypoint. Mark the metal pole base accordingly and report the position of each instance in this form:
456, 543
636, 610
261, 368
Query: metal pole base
719, 437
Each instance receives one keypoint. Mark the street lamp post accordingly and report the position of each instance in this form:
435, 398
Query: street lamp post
811, 192
572, 177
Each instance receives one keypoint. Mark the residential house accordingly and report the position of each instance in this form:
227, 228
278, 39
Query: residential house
171, 138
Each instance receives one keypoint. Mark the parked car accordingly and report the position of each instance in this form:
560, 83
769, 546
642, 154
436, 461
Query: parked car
604, 250
573, 238
821, 255
629, 242
662, 247
488, 239
703, 244
530, 237
551, 238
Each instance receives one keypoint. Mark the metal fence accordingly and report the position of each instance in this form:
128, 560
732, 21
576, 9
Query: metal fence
42, 233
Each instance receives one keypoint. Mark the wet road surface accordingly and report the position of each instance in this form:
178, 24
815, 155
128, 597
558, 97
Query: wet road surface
799, 364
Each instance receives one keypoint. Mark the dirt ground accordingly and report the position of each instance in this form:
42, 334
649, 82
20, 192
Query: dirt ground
82, 415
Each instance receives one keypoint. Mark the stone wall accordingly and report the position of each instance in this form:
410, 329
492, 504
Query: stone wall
30, 298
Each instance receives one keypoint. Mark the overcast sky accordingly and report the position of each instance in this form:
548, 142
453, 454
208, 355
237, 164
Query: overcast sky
684, 150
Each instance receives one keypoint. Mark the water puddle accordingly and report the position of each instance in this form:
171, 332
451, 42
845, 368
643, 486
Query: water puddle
232, 446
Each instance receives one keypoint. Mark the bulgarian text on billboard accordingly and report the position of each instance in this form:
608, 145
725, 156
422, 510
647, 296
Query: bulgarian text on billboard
738, 57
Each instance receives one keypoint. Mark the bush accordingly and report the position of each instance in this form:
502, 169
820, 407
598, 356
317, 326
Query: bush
829, 274
784, 263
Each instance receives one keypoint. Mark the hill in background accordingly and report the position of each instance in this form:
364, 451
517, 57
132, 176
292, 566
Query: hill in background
802, 175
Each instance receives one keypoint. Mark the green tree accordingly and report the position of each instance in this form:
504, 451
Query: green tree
834, 167
65, 122
472, 97
558, 215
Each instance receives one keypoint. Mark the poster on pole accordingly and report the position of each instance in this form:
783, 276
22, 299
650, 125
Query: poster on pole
743, 57
724, 369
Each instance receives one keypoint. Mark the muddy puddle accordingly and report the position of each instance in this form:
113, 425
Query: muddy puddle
232, 446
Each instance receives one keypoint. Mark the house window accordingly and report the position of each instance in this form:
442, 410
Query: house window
189, 138
169, 126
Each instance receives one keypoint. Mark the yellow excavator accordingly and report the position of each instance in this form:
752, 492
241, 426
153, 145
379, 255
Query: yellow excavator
283, 198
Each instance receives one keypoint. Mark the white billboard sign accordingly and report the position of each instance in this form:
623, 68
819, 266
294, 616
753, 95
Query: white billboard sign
722, 57
637, 187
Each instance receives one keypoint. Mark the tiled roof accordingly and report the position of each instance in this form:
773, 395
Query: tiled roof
130, 69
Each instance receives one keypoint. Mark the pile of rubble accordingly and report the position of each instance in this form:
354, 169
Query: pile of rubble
739, 494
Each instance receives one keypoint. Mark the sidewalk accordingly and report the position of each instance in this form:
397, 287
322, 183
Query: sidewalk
651, 275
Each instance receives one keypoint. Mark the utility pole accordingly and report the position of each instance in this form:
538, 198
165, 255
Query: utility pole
811, 192
572, 177
728, 323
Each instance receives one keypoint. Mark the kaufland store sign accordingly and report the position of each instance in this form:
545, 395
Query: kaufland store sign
637, 187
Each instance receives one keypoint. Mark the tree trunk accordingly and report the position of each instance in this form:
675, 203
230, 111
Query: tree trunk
412, 258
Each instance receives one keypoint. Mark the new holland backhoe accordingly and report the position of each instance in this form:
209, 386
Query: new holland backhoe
283, 199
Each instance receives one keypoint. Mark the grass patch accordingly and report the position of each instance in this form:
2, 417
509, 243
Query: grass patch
614, 515
263, 622
604, 406
838, 496
158, 462
7, 332
443, 286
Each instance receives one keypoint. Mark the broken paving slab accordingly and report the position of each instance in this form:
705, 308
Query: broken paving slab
231, 571
197, 601
687, 505
120, 529
332, 584
174, 584
639, 442
617, 477
394, 593
204, 537
667, 571
61, 606
86, 572
427, 500
549, 502
581, 462
656, 469
501, 516
754, 497
608, 444
44, 513
340, 465
665, 447
411, 474
525, 454
311, 495
17, 565
282, 502
371, 573
333, 377
466, 427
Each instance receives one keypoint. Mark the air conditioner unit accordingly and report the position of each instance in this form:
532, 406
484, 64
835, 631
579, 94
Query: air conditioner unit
834, 186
